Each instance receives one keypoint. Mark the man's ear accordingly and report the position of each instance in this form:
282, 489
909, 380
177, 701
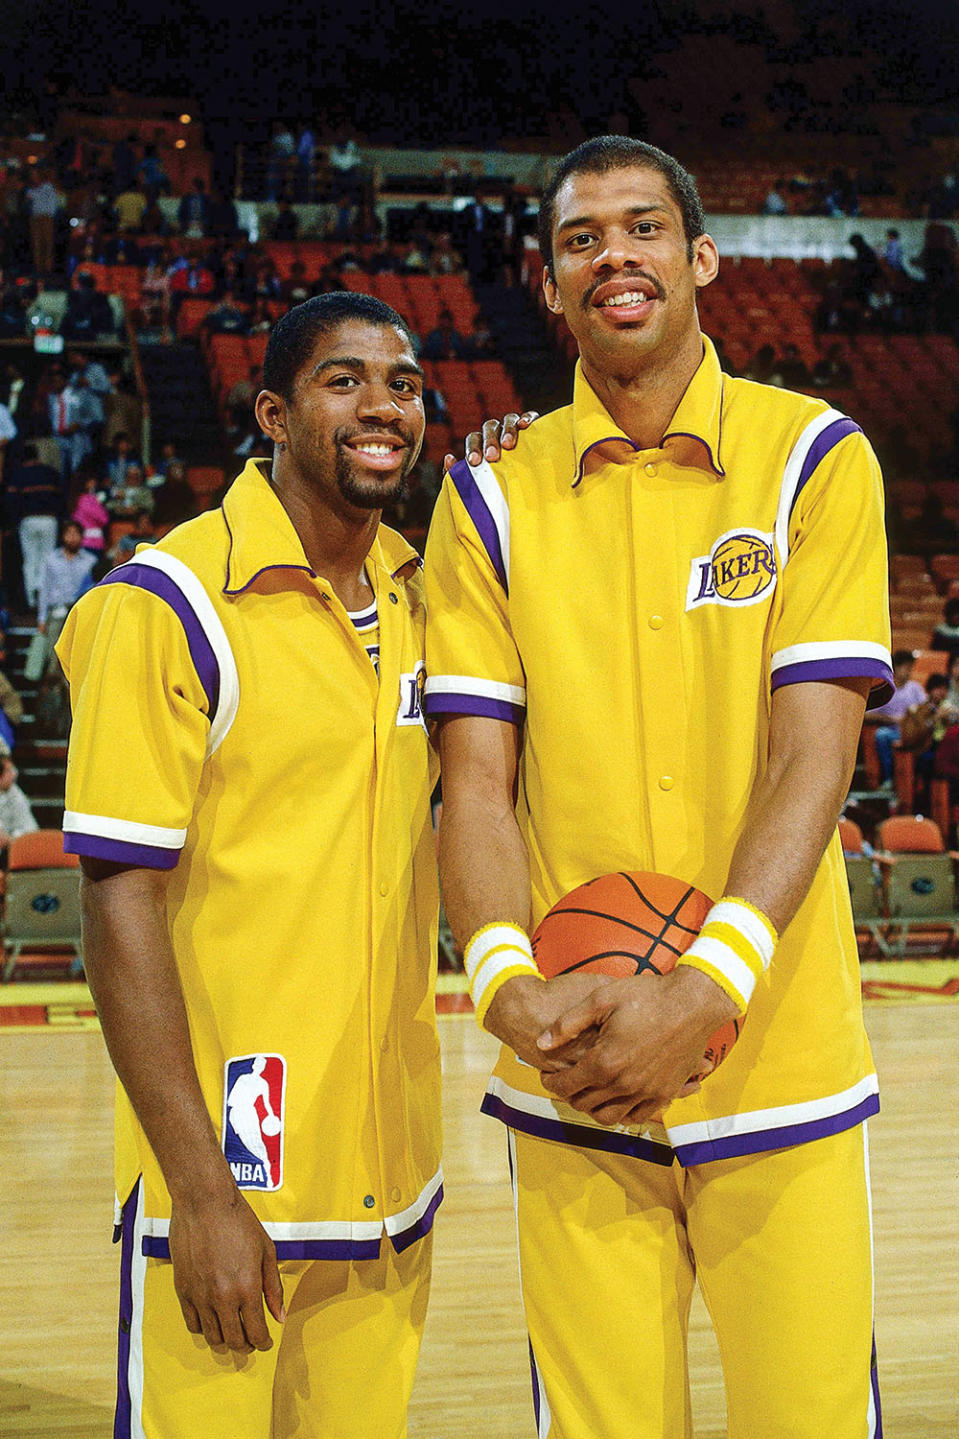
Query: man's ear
553, 301
270, 411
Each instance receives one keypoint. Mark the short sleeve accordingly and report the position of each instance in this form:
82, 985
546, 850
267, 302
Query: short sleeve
473, 666
141, 705
834, 612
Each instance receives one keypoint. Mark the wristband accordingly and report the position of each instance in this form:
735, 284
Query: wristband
734, 947
496, 953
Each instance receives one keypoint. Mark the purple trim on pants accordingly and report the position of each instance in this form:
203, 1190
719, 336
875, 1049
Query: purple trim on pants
479, 512
874, 1381
124, 1232
157, 582
734, 1146
449, 703
97, 846
820, 448
839, 669
419, 1227
610, 1140
534, 1377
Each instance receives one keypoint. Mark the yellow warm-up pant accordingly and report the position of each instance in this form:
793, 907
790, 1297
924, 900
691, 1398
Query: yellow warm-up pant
341, 1366
780, 1243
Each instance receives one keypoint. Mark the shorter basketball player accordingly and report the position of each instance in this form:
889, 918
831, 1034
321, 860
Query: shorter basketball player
654, 625
249, 791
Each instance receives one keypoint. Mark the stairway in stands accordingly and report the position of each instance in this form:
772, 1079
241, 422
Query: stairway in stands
40, 758
182, 407
526, 346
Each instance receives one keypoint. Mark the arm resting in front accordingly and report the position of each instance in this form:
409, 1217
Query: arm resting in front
223, 1260
652, 1037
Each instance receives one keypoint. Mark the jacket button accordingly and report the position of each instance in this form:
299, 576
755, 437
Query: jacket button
369, 1202
666, 781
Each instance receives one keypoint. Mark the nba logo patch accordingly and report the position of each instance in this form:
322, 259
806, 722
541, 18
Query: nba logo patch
254, 1099
410, 710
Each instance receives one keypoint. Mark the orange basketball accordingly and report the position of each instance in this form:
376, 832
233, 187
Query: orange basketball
624, 924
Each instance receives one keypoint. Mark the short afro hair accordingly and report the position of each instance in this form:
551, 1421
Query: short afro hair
293, 338
619, 152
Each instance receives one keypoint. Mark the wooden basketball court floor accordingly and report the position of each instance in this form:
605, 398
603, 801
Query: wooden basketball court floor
58, 1267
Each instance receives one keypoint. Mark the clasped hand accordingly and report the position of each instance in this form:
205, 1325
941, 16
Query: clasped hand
617, 1050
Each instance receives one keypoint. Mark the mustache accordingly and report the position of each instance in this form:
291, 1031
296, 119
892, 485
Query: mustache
392, 429
648, 284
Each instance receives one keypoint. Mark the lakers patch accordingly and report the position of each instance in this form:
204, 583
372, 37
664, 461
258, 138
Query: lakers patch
410, 711
740, 569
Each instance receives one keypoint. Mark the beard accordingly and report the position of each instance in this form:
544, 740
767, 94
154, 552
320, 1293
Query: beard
365, 491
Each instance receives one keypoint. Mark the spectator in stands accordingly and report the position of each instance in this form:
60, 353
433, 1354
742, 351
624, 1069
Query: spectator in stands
129, 207
11, 704
91, 515
223, 221
8, 432
268, 282
43, 202
445, 341
477, 237
152, 174
64, 577
168, 458
791, 371
282, 158
951, 702
939, 294
241, 398
88, 315
946, 634
762, 366
74, 414
193, 211
908, 694
922, 729
832, 370
131, 494
306, 164
123, 455
286, 226
296, 288
125, 162
16, 816
775, 202
194, 280
122, 407
866, 283
126, 546
346, 172
226, 317
444, 258
892, 253
261, 321
175, 500
36, 499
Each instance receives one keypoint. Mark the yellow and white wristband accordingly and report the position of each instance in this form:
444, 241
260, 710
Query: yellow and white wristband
496, 953
734, 947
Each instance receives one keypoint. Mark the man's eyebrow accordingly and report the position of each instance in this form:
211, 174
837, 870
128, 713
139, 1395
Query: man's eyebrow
353, 362
633, 210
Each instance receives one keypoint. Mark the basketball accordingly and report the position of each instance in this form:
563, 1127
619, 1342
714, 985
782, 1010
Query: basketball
625, 924
270, 1125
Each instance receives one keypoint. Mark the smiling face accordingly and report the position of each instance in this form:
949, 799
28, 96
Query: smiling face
354, 424
623, 272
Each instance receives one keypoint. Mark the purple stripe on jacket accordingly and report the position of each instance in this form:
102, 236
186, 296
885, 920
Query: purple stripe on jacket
839, 667
159, 583
613, 1141
734, 1146
479, 512
420, 1226
96, 846
820, 448
122, 1421
448, 702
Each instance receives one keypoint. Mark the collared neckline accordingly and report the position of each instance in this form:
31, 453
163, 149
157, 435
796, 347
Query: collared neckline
697, 422
263, 537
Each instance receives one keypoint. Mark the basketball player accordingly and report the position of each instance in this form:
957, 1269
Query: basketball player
250, 798
654, 626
